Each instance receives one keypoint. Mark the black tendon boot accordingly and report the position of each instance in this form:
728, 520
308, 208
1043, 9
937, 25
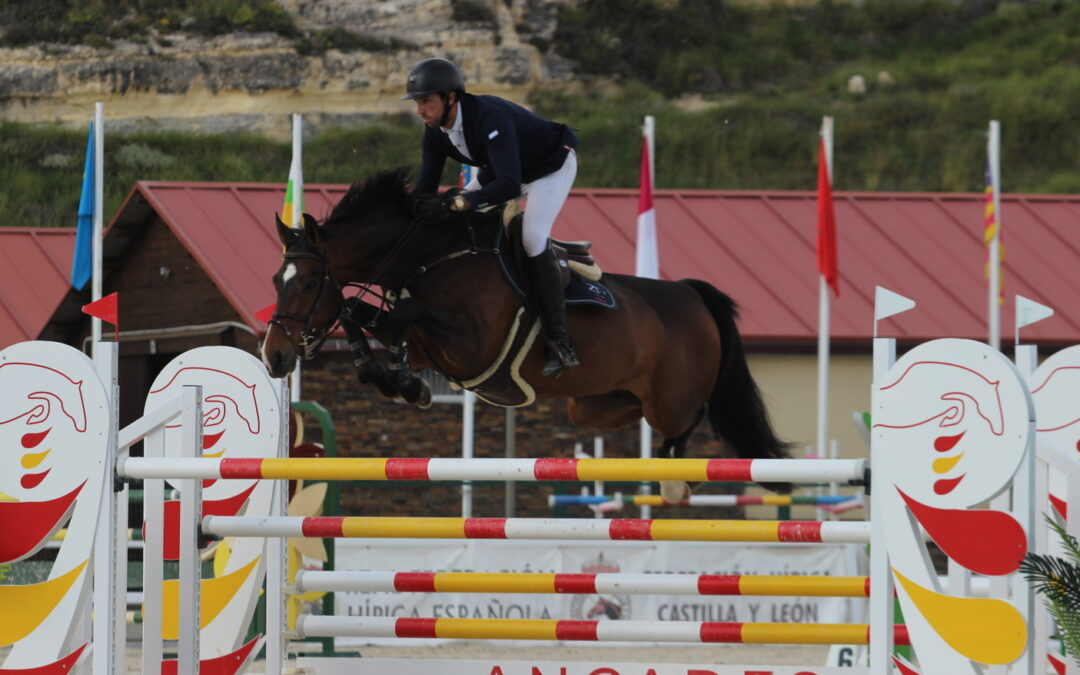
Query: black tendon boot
547, 293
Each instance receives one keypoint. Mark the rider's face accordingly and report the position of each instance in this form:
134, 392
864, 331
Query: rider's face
430, 108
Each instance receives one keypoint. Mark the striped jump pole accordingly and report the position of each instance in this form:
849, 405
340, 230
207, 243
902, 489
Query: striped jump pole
789, 531
628, 584
594, 631
700, 500
499, 469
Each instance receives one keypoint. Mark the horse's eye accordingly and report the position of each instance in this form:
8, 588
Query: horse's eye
310, 286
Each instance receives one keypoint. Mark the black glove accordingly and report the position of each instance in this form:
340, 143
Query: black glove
435, 208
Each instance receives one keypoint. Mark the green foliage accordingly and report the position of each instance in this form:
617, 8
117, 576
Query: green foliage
713, 46
43, 168
1058, 579
98, 22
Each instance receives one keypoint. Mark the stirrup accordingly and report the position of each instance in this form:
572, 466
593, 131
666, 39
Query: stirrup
558, 358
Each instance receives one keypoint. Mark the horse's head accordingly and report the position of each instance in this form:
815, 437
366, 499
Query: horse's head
309, 299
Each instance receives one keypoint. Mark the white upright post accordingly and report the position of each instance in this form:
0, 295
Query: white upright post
881, 580
99, 220
646, 453
153, 554
277, 564
823, 321
190, 515
647, 265
468, 420
110, 571
1023, 507
598, 486
296, 177
993, 153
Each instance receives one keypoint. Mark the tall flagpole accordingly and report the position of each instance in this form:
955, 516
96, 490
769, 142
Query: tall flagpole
297, 218
645, 431
993, 154
99, 207
823, 320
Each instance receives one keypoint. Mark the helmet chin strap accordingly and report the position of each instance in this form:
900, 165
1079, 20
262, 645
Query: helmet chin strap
446, 108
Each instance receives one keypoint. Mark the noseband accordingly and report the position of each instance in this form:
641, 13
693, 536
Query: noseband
311, 338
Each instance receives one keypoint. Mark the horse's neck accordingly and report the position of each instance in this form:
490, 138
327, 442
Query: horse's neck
430, 245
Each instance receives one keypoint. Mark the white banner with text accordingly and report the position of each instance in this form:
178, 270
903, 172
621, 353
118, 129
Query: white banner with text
570, 557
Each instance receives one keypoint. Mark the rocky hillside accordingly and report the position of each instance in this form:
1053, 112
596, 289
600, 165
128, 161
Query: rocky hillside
252, 81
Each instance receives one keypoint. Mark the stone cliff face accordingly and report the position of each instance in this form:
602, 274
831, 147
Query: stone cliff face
254, 81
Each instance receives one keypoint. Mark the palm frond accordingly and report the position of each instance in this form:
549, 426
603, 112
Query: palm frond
1067, 540
1058, 580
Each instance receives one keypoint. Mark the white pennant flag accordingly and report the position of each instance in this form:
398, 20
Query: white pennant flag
887, 303
1029, 311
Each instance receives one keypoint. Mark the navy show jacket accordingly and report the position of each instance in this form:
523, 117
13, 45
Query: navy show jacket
510, 144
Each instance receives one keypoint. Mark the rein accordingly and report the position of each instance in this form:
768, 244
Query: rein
472, 250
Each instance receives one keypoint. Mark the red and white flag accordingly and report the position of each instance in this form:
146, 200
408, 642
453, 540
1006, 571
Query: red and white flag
648, 258
826, 223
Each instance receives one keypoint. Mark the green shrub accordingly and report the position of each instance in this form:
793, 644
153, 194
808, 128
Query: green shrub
472, 10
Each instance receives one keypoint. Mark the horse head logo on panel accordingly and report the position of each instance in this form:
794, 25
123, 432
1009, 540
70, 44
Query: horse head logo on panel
54, 434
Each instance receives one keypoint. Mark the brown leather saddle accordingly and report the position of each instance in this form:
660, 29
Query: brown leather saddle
572, 255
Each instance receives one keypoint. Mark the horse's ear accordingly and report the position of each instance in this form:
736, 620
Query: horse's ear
311, 229
286, 234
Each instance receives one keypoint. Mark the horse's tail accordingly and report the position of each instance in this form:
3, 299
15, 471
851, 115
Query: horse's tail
736, 409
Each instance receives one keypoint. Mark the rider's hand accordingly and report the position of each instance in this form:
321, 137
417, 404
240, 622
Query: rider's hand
435, 208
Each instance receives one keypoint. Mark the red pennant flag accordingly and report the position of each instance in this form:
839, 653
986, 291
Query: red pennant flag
826, 225
106, 309
266, 313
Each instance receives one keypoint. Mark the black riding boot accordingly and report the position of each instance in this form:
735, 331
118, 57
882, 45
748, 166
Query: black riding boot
547, 292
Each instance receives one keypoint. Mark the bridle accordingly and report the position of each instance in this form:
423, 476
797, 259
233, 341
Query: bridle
311, 338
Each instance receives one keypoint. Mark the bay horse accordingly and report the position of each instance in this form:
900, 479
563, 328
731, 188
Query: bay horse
670, 351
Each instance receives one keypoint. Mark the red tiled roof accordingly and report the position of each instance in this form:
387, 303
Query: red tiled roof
35, 273
756, 246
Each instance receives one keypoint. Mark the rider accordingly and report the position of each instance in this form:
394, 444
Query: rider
518, 153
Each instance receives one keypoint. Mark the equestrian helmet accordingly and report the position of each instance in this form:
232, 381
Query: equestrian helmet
433, 76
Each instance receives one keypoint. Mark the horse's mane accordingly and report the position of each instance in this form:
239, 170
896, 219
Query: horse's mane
364, 196
391, 187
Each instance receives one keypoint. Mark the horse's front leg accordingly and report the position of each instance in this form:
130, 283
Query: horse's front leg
368, 371
413, 389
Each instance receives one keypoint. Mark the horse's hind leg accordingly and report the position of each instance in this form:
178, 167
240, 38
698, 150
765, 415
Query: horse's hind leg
675, 448
606, 412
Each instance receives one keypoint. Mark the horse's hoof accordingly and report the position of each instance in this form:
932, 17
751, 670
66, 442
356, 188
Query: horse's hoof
674, 492
418, 392
424, 402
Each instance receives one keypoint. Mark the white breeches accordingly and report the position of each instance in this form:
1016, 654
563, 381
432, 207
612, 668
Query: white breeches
546, 198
